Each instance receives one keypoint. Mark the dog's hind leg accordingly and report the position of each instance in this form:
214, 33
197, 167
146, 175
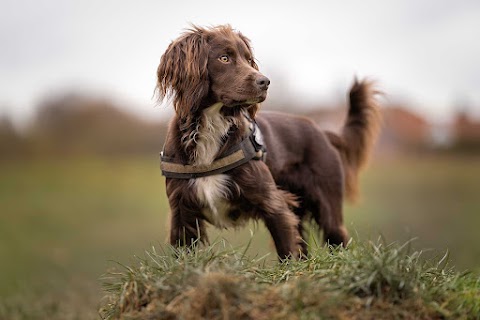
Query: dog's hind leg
337, 236
327, 213
334, 232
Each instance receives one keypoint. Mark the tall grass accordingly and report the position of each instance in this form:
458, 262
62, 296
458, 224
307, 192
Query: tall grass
221, 282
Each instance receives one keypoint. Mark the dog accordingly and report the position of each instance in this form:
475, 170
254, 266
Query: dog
215, 85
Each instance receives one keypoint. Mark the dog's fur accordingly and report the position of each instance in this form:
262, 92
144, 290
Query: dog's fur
213, 78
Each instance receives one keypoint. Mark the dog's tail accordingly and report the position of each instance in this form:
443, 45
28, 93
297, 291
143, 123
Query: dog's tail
359, 133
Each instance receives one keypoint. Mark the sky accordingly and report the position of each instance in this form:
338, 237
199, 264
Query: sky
423, 53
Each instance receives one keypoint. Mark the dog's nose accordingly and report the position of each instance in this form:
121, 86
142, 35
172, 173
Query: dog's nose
263, 82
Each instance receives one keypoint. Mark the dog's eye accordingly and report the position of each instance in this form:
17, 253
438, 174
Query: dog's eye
224, 58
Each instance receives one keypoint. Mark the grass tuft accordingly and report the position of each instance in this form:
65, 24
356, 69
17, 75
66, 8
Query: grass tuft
365, 280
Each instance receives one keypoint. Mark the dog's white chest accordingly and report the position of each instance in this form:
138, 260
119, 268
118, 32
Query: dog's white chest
213, 193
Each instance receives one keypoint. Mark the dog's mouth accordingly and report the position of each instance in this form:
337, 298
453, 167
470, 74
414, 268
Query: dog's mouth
229, 102
241, 103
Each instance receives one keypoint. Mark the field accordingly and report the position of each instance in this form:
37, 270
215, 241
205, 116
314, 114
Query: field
65, 222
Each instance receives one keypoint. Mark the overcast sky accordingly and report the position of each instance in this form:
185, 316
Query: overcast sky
424, 52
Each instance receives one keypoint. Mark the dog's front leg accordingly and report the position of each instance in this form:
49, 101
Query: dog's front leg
271, 205
186, 227
282, 224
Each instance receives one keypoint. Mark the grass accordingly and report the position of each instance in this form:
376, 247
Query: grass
367, 280
434, 199
64, 219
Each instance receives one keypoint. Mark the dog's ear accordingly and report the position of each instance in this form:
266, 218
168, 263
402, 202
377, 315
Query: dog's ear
183, 72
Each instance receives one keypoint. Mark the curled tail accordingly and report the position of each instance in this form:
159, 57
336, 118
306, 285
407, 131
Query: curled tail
359, 133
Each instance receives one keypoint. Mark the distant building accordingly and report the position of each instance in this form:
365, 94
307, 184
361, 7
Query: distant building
402, 130
330, 119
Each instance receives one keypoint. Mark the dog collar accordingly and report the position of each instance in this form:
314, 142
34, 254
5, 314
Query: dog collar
250, 148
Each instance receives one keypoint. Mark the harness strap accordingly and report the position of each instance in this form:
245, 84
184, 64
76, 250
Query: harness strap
251, 148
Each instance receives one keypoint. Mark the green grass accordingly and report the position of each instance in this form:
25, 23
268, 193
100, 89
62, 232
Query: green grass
64, 220
434, 199
367, 280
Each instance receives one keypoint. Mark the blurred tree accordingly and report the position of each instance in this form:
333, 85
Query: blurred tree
79, 124
11, 143
466, 133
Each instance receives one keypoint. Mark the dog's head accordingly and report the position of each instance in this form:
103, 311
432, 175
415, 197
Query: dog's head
206, 66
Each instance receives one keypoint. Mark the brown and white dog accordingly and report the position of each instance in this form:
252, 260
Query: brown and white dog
216, 86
